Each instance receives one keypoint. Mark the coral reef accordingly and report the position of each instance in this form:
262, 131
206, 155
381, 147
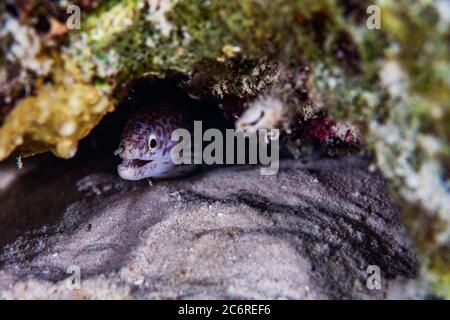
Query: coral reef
202, 238
408, 128
312, 68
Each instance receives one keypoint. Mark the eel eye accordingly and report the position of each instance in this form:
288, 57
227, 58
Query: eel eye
152, 142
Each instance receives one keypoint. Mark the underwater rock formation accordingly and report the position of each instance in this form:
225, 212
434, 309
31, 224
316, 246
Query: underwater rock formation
201, 236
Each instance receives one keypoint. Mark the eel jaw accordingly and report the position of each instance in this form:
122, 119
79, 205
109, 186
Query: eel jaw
134, 169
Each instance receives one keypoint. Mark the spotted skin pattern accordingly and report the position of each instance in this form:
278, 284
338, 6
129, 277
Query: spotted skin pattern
145, 146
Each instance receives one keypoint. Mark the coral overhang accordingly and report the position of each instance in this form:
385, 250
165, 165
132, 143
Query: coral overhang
315, 58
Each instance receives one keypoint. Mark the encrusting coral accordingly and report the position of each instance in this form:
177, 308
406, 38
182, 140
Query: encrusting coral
312, 68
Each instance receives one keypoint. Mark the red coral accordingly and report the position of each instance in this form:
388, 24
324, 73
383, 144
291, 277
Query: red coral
323, 131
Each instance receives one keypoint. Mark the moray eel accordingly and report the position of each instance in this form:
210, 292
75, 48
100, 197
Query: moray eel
145, 146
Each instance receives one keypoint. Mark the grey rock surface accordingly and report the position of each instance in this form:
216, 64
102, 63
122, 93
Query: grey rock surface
309, 232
